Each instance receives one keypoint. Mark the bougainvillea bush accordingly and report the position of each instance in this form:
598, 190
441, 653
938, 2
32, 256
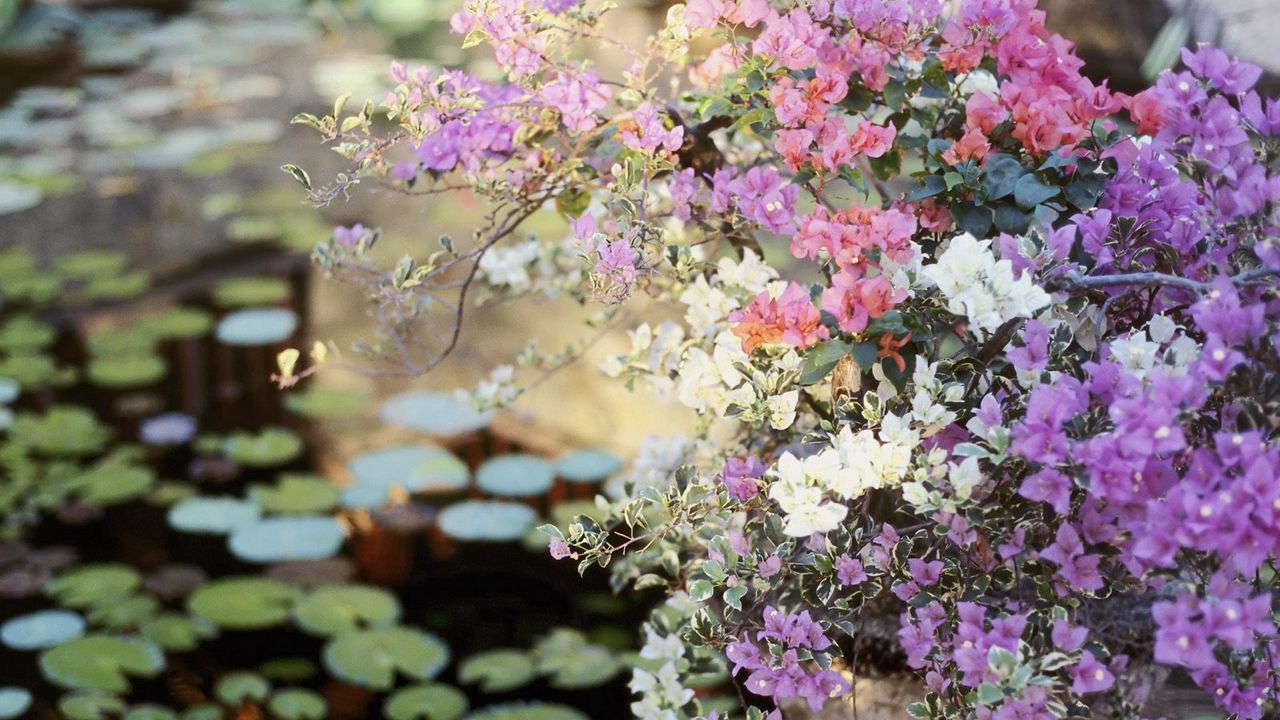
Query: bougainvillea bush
1008, 377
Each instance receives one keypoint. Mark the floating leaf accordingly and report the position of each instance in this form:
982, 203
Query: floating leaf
515, 475
9, 390
297, 704
256, 327
373, 658
291, 669
94, 584
251, 291
419, 469
324, 402
271, 447
212, 515
178, 323
148, 711
486, 521
286, 539
572, 662
236, 687
25, 334
89, 264
433, 413
90, 706
176, 632
336, 609
527, 711
35, 371
498, 671
112, 483
14, 702
296, 494
17, 196
101, 662
244, 603
204, 711
63, 431
588, 466
42, 629
118, 287
428, 701
123, 613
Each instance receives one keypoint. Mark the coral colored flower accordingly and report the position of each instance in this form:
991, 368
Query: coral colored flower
973, 145
789, 319
855, 300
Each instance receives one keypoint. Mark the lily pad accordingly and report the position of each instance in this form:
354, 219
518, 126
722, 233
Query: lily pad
236, 687
286, 539
121, 340
337, 609
25, 334
486, 521
90, 706
212, 515
64, 431
498, 671
178, 323
244, 603
572, 662
325, 402
373, 658
89, 264
176, 632
9, 390
127, 371
94, 584
296, 494
112, 483
118, 287
42, 629
516, 475
288, 669
150, 711
433, 413
250, 292
527, 711
167, 429
14, 701
588, 466
256, 327
271, 447
426, 701
297, 704
101, 662
415, 468
124, 613
18, 196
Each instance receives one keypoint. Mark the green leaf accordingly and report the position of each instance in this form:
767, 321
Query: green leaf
1010, 219
821, 360
1002, 175
1031, 191
176, 632
298, 174
336, 609
90, 706
733, 596
297, 704
931, 185
101, 662
700, 590
1083, 193
972, 219
244, 603
498, 671
373, 658
236, 687
93, 584
428, 701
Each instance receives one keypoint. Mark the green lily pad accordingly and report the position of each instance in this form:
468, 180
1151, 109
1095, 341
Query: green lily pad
287, 539
90, 706
41, 630
498, 671
415, 468
118, 287
149, 711
94, 584
34, 289
255, 327
25, 334
250, 292
433, 413
527, 711
335, 609
516, 475
426, 701
212, 515
178, 323
112, 483
271, 447
324, 402
373, 658
130, 340
588, 466
176, 632
203, 711
124, 613
34, 370
236, 687
64, 431
90, 264
297, 704
289, 669
127, 371
244, 603
486, 521
296, 494
168, 493
101, 662
573, 663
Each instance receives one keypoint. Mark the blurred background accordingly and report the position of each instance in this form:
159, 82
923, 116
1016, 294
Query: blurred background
140, 147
